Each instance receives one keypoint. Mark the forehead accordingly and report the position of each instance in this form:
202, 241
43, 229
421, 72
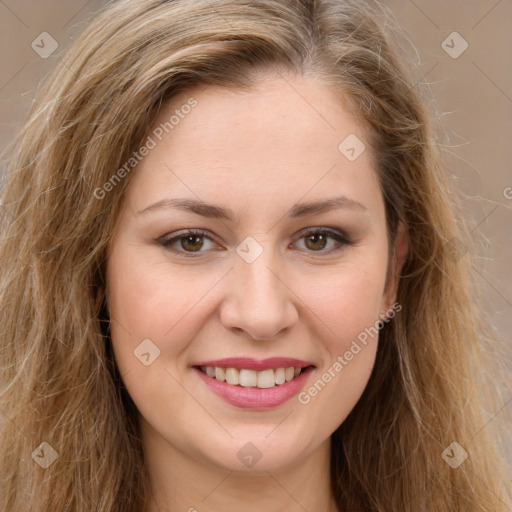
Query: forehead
286, 137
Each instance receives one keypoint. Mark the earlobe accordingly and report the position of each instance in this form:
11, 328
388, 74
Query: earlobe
400, 251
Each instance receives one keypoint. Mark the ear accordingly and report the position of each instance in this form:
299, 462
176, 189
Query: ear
398, 257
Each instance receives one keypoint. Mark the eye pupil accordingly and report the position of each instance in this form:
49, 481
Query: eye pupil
317, 236
190, 239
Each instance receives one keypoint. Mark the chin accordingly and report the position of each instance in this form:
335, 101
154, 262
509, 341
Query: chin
260, 451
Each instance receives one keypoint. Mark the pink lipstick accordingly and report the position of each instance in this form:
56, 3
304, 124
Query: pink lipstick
255, 384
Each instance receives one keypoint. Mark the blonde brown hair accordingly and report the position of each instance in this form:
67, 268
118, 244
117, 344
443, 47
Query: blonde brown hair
60, 384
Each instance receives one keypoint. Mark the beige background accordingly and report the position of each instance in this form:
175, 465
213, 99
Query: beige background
473, 94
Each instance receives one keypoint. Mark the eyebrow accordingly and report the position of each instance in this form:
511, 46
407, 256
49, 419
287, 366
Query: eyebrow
219, 212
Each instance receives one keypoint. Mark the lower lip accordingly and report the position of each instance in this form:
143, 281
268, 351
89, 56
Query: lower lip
256, 398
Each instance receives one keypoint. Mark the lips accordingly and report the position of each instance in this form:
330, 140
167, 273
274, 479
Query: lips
251, 383
253, 364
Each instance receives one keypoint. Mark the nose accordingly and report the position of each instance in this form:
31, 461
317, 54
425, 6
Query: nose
259, 301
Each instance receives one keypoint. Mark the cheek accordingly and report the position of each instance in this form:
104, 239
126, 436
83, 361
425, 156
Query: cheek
347, 323
146, 303
149, 299
348, 301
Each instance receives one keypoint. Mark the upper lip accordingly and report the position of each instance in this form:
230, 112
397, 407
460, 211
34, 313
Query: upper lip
255, 364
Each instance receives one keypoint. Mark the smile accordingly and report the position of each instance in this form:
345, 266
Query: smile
246, 377
249, 383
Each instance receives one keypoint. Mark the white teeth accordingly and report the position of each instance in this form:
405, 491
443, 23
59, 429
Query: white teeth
266, 379
289, 373
280, 376
232, 376
252, 378
248, 378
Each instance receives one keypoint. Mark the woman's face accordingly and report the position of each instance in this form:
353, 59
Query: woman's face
250, 294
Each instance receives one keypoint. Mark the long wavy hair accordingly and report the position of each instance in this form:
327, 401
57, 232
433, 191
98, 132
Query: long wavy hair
59, 383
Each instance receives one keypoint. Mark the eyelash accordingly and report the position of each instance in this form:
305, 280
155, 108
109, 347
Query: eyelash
341, 238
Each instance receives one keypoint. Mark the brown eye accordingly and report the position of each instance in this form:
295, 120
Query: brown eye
191, 242
317, 239
186, 243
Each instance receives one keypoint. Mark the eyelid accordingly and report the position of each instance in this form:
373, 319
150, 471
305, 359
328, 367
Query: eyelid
339, 236
335, 232
167, 240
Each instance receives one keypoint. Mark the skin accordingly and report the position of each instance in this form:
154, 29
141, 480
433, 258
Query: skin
256, 152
